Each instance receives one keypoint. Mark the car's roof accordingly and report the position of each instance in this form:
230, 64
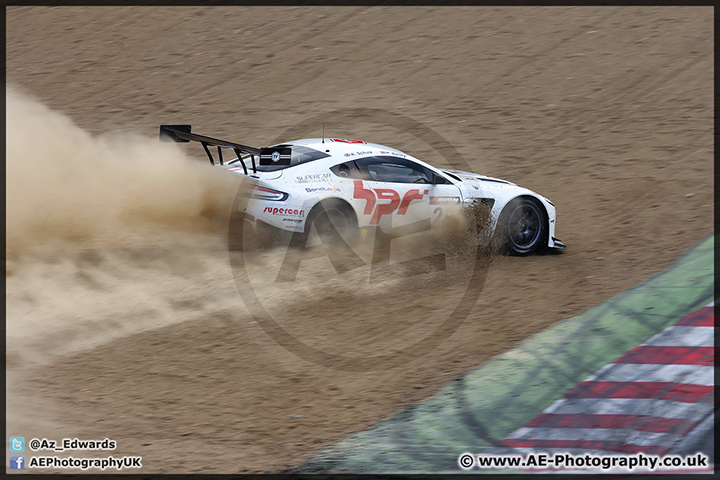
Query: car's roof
346, 147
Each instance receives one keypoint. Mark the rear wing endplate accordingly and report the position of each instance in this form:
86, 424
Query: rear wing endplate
182, 133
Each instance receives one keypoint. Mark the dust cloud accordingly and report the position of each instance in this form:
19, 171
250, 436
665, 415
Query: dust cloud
64, 184
106, 235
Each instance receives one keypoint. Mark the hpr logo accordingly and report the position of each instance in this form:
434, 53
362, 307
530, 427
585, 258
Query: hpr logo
371, 196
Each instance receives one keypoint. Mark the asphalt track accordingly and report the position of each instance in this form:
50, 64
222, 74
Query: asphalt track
478, 411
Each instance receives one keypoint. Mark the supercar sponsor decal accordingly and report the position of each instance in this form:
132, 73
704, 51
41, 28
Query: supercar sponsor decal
372, 196
444, 200
346, 140
284, 211
296, 220
316, 177
319, 189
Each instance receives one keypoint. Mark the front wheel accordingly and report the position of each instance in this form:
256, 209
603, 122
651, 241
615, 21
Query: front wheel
522, 227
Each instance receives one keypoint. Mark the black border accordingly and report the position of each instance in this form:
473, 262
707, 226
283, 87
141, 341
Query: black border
52, 3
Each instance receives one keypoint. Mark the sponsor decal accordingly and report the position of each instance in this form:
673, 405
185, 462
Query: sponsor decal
376, 209
346, 140
276, 156
319, 189
443, 200
296, 220
284, 211
359, 154
316, 177
397, 154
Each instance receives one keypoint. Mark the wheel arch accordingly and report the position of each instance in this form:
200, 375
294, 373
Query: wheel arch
329, 201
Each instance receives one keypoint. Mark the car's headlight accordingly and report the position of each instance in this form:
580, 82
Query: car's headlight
264, 193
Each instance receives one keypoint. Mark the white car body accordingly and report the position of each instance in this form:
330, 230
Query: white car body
371, 189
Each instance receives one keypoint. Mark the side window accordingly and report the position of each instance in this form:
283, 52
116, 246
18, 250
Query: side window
393, 169
347, 170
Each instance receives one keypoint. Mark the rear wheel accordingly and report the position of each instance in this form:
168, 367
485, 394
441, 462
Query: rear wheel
522, 227
333, 220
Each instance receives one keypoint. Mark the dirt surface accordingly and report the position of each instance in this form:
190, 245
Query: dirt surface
133, 329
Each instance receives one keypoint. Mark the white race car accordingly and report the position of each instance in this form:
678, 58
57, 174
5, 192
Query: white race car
342, 186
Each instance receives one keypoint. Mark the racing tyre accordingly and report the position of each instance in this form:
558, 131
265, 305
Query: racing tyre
522, 227
334, 222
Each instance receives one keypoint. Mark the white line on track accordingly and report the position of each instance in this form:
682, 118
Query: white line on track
682, 336
630, 406
630, 372
623, 435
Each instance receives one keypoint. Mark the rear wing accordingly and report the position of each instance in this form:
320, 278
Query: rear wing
181, 133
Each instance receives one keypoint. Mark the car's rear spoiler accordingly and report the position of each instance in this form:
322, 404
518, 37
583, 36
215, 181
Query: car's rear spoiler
181, 133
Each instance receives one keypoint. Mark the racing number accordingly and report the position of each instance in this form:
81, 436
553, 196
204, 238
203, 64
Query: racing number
439, 212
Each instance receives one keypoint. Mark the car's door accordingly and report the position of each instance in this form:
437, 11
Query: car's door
398, 191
